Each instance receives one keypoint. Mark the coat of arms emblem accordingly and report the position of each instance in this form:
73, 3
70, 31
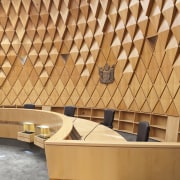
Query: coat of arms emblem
106, 74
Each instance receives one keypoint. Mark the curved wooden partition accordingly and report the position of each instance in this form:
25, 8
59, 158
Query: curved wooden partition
100, 153
85, 160
12, 119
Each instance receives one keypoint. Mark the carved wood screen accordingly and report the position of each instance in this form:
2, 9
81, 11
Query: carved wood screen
50, 52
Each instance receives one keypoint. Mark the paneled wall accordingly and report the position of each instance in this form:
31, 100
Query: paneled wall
51, 51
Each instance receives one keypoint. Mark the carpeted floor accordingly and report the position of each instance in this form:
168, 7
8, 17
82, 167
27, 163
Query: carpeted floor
132, 137
21, 161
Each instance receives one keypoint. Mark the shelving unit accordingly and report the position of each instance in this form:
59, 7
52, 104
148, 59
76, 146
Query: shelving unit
158, 121
158, 126
84, 113
162, 127
126, 120
157, 133
126, 126
142, 117
116, 120
97, 115
59, 109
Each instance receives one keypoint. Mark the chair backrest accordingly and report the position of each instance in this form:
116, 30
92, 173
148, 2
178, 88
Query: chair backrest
143, 131
108, 117
29, 106
69, 110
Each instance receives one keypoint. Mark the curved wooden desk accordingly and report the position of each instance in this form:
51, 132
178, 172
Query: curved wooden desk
11, 121
92, 131
99, 155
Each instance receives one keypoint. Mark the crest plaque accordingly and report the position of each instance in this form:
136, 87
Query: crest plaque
106, 74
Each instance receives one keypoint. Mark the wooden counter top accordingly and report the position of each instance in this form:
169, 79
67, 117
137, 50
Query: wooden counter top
102, 133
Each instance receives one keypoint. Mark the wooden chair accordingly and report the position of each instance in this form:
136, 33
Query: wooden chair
143, 131
69, 110
108, 118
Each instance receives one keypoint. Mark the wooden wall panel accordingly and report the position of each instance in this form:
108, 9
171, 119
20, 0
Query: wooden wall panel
51, 51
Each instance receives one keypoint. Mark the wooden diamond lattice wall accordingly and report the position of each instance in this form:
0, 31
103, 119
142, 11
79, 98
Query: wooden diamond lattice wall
50, 52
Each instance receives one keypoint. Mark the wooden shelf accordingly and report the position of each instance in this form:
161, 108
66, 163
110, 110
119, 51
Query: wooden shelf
126, 126
116, 115
126, 131
84, 116
159, 121
127, 121
127, 115
135, 128
97, 119
158, 127
99, 113
142, 117
157, 133
115, 124
84, 113
57, 109
157, 139
178, 138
